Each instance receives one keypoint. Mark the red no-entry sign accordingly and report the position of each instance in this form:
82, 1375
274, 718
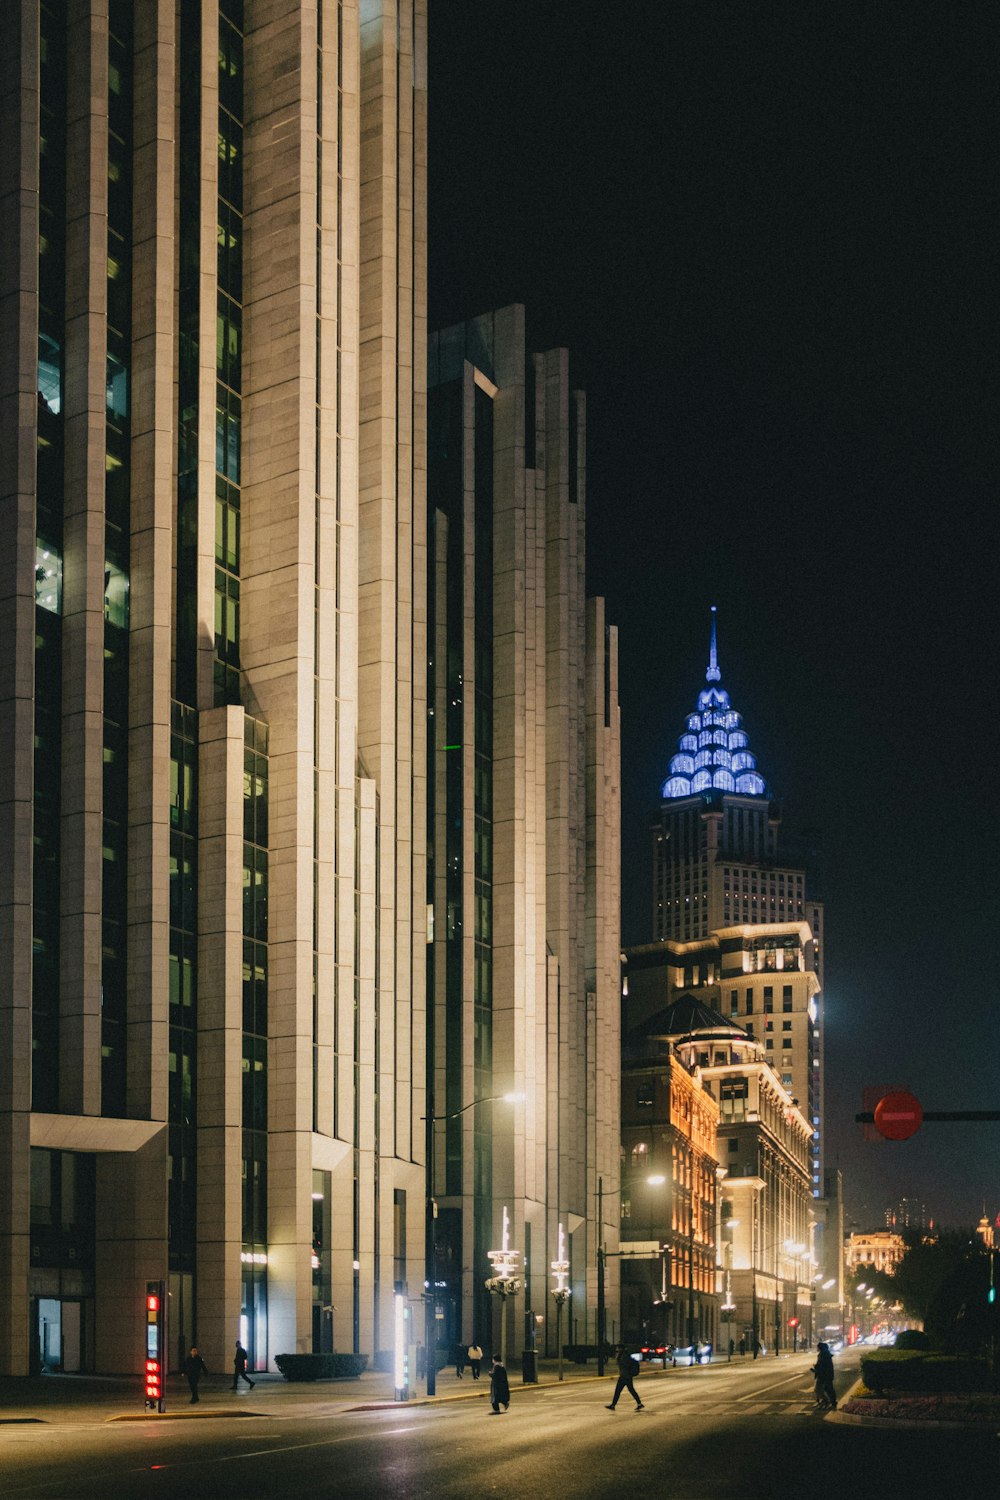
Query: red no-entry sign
898, 1116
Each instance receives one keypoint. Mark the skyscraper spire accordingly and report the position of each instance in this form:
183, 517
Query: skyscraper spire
713, 674
713, 754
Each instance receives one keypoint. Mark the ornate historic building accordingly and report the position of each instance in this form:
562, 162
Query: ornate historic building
725, 874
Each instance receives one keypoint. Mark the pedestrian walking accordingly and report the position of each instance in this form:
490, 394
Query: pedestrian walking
757, 1347
240, 1367
460, 1360
194, 1369
626, 1375
826, 1396
743, 1347
475, 1360
499, 1387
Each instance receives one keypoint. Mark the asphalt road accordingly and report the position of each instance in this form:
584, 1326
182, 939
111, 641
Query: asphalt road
747, 1430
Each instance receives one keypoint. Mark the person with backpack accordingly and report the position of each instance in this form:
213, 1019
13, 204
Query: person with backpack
626, 1375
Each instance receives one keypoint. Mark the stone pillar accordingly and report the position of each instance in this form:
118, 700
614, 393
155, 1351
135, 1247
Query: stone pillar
220, 1031
18, 404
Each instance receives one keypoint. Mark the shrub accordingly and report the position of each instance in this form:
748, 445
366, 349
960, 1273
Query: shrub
912, 1338
321, 1366
917, 1370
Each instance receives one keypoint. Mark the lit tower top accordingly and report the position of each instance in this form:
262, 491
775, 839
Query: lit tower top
713, 753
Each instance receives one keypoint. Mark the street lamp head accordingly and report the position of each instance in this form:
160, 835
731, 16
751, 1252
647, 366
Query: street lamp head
732, 1223
511, 1098
656, 1180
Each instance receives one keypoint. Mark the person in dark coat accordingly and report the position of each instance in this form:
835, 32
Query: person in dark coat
460, 1360
194, 1369
499, 1387
240, 1367
743, 1348
626, 1375
823, 1371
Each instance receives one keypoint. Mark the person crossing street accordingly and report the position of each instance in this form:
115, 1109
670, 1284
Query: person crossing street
626, 1375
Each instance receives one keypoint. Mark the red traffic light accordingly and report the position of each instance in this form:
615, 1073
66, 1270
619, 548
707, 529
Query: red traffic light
153, 1304
793, 1322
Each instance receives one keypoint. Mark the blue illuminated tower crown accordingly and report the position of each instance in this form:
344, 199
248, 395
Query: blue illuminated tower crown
713, 753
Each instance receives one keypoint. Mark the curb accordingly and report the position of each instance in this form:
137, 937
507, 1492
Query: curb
899, 1424
182, 1416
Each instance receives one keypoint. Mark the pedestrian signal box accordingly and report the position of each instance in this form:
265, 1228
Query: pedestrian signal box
155, 1345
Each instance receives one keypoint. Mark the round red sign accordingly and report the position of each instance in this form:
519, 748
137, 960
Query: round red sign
898, 1116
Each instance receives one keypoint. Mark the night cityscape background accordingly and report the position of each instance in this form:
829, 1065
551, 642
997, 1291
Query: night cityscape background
764, 237
498, 737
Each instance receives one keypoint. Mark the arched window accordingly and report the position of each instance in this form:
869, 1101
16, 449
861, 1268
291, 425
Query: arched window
688, 742
723, 780
640, 1152
738, 740
750, 784
682, 764
744, 761
701, 780
677, 786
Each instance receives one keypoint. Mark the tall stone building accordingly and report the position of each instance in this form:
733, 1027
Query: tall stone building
727, 878
212, 681
523, 835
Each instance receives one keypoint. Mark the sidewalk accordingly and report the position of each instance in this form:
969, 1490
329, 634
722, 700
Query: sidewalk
103, 1398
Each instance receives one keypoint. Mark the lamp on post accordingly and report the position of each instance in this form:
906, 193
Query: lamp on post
505, 1281
729, 1306
560, 1293
430, 1228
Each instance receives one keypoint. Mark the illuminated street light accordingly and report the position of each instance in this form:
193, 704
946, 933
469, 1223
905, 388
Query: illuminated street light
505, 1281
430, 1226
560, 1293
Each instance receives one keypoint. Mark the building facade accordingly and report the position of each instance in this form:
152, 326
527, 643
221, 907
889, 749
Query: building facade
523, 838
669, 1199
765, 1261
722, 865
881, 1250
212, 685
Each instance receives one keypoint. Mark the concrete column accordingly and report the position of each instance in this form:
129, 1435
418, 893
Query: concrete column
278, 622
131, 1249
84, 408
18, 405
220, 1031
153, 449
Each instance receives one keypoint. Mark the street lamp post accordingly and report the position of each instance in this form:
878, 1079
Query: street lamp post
560, 1293
505, 1281
430, 1228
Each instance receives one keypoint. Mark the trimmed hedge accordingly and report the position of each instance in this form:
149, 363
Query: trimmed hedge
919, 1370
912, 1338
321, 1366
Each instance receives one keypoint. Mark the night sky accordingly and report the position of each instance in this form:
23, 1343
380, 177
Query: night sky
766, 233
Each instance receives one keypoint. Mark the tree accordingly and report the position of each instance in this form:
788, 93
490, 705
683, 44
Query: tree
943, 1282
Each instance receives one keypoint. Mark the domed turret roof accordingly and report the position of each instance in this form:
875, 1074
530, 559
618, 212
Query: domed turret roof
713, 753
